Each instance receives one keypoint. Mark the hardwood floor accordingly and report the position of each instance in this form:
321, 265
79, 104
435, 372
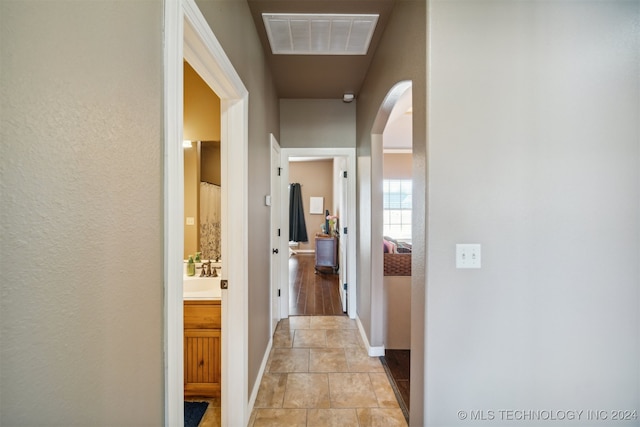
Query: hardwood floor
312, 293
399, 362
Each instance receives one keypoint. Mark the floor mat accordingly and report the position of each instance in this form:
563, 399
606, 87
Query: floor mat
193, 412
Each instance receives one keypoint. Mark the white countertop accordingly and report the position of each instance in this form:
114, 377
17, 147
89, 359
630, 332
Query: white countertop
201, 288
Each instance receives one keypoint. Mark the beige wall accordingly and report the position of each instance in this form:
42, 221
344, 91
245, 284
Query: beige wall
397, 166
400, 56
397, 312
540, 165
234, 28
210, 161
201, 108
316, 178
191, 199
81, 253
313, 123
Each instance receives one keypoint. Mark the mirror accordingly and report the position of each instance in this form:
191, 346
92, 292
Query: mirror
202, 166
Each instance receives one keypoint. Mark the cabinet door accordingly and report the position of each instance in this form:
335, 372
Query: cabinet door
325, 252
202, 362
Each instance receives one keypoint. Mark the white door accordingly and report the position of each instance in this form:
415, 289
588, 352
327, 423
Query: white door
343, 238
276, 233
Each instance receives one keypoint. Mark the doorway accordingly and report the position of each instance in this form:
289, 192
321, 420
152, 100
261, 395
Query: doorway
347, 221
315, 267
391, 233
187, 36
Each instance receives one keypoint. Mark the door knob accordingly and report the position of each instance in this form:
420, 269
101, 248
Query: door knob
275, 251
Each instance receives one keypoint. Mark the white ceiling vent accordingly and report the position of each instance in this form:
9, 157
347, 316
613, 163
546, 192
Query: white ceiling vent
319, 34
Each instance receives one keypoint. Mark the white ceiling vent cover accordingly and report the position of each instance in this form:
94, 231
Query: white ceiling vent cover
319, 34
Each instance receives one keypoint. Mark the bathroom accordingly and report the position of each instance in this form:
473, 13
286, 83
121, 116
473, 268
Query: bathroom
202, 250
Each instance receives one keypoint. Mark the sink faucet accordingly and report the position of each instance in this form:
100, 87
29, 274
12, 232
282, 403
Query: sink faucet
206, 269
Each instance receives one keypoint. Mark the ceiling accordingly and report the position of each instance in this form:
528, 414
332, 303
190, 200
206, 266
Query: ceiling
319, 76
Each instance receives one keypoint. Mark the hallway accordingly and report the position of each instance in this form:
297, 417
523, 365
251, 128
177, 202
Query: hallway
312, 293
319, 374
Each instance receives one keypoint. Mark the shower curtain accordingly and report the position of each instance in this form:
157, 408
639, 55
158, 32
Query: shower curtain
297, 225
210, 221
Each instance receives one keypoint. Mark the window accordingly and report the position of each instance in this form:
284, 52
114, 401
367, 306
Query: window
397, 208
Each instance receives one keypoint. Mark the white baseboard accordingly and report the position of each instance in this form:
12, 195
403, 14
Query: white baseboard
372, 351
256, 385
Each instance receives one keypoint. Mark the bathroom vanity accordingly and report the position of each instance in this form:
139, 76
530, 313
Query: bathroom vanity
202, 350
202, 331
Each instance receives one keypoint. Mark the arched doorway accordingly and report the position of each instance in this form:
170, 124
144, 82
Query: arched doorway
391, 140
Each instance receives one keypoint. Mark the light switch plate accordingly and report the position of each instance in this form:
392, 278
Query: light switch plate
468, 255
191, 220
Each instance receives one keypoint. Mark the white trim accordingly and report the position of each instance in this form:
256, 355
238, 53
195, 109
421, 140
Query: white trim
371, 351
235, 313
173, 214
306, 251
350, 154
275, 219
263, 368
205, 54
188, 36
397, 150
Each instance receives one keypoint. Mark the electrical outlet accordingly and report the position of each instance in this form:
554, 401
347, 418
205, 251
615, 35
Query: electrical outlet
468, 255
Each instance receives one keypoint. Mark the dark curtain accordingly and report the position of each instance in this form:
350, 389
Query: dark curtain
297, 226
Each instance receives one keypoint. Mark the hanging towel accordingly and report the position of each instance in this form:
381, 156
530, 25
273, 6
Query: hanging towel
297, 225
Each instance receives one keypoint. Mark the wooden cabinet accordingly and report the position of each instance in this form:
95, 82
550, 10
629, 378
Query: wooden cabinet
202, 350
327, 252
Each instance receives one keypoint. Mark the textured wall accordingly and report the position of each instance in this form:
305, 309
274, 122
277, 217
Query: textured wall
400, 56
534, 152
317, 123
398, 166
201, 108
81, 306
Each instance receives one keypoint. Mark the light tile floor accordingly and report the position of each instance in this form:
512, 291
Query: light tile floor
319, 374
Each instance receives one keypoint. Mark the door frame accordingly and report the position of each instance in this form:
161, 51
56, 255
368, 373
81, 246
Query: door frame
342, 189
275, 220
350, 155
188, 36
